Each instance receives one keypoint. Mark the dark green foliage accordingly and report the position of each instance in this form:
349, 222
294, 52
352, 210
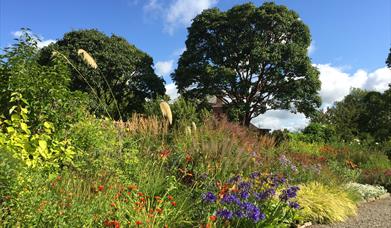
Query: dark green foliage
44, 87
316, 132
253, 58
127, 70
362, 114
388, 60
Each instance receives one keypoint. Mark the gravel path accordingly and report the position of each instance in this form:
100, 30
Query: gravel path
372, 214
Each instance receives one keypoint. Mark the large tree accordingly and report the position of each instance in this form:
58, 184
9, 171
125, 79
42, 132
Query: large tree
252, 58
123, 71
388, 60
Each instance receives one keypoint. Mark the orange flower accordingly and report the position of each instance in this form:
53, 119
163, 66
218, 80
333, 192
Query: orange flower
158, 210
132, 187
158, 197
138, 223
170, 197
112, 204
164, 153
212, 218
101, 188
173, 203
188, 158
140, 194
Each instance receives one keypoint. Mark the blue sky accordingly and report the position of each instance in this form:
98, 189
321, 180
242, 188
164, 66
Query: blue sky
351, 38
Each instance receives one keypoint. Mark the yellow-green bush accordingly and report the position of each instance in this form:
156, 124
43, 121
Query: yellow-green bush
324, 204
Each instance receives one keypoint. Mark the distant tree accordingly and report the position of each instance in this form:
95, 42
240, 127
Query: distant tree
252, 58
363, 114
345, 114
128, 71
388, 60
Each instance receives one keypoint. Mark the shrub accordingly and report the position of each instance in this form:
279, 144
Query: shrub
324, 204
367, 191
40, 150
44, 87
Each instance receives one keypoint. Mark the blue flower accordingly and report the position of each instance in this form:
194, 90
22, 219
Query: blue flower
244, 186
209, 197
294, 205
225, 214
255, 175
289, 193
230, 198
244, 195
265, 194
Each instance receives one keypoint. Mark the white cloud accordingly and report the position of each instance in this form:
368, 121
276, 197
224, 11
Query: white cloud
336, 84
311, 48
178, 12
279, 119
42, 43
179, 51
171, 91
164, 68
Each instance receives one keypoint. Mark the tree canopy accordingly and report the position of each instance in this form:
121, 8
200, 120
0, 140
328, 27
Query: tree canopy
388, 60
124, 72
252, 58
360, 115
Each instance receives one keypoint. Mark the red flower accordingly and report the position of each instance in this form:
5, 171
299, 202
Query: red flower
173, 203
138, 223
101, 188
170, 197
112, 204
212, 218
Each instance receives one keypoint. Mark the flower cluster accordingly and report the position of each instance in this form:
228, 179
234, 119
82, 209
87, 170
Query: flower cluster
144, 210
253, 198
284, 161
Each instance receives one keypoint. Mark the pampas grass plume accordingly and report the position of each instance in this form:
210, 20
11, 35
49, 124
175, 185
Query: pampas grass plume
194, 126
87, 58
166, 111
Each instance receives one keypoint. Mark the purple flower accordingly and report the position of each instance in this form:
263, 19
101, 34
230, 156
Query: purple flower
234, 179
244, 195
225, 214
239, 214
255, 175
209, 197
230, 198
244, 186
251, 211
265, 194
294, 205
289, 193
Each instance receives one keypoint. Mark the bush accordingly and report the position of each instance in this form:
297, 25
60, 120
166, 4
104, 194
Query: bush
38, 150
367, 191
44, 87
324, 204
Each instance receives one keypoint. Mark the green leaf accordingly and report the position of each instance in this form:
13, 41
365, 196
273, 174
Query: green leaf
25, 128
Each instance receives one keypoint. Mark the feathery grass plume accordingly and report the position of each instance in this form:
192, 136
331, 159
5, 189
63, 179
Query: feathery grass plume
87, 58
54, 54
194, 126
166, 111
188, 130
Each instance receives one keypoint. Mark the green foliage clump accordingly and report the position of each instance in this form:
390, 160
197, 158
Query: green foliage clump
42, 149
324, 204
44, 87
316, 132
